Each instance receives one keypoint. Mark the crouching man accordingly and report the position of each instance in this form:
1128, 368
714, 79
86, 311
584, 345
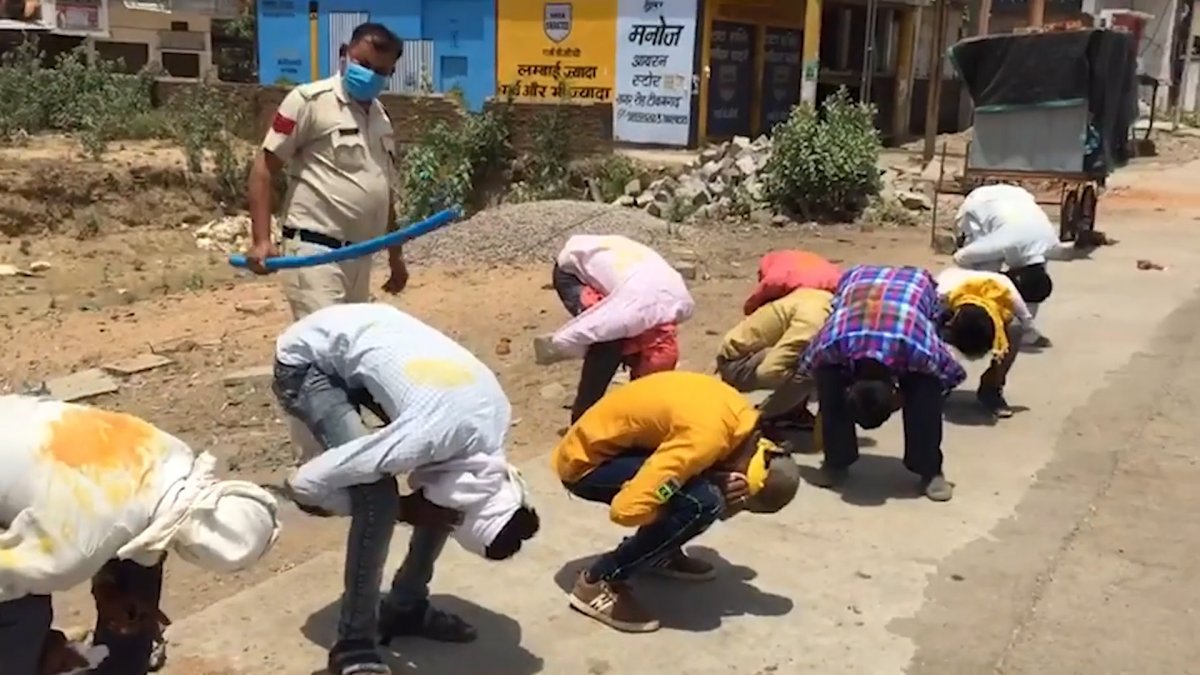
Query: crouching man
626, 303
781, 272
670, 454
880, 351
975, 298
763, 352
446, 422
91, 494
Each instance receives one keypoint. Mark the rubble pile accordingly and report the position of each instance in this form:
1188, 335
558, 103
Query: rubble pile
726, 183
228, 234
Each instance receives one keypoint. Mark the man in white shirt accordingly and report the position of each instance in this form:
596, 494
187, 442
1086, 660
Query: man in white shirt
1006, 303
446, 423
91, 494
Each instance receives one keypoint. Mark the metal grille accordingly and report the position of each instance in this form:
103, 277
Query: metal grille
414, 66
341, 26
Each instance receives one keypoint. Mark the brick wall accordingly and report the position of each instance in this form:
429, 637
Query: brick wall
590, 124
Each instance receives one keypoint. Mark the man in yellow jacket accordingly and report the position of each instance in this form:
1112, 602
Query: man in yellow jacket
763, 350
670, 453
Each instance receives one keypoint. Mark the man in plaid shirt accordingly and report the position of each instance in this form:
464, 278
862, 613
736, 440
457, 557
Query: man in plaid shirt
881, 351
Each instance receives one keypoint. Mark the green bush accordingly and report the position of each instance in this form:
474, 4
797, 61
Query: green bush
88, 99
824, 166
443, 168
547, 168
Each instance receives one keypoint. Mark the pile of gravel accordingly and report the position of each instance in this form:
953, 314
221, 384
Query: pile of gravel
535, 232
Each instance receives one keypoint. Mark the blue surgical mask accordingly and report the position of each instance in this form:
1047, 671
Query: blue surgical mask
362, 83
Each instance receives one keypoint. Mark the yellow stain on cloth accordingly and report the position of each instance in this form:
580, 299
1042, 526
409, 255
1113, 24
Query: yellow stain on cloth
114, 452
994, 299
439, 373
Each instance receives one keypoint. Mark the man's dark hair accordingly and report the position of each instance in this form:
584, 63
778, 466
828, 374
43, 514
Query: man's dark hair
783, 480
380, 36
971, 331
520, 528
1032, 283
871, 402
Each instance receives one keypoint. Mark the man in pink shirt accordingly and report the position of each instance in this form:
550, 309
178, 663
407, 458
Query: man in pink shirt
625, 301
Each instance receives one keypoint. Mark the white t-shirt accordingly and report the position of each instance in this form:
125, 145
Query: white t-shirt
1003, 225
449, 415
77, 484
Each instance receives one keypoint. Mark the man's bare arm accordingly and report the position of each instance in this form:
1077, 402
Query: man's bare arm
259, 193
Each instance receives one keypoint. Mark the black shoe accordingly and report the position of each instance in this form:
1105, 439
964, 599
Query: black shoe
356, 657
423, 621
993, 400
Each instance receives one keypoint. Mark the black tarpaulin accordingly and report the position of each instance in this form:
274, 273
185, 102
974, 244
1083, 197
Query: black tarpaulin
1096, 67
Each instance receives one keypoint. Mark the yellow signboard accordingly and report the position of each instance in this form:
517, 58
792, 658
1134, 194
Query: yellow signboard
548, 50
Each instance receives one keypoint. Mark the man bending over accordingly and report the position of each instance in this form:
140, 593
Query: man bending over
446, 422
626, 302
87, 494
879, 352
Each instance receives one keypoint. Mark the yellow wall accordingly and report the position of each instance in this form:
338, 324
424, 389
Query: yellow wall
132, 25
527, 61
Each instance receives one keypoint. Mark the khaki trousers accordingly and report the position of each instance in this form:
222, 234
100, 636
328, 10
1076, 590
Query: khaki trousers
311, 288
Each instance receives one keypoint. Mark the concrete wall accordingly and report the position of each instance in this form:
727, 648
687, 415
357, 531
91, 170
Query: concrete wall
463, 33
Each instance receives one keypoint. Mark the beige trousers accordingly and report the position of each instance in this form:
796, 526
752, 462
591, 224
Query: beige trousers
310, 288
740, 374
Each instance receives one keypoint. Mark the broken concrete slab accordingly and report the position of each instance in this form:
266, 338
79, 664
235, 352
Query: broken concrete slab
256, 375
137, 364
254, 307
687, 270
81, 385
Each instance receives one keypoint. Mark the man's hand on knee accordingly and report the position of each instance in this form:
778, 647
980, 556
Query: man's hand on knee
415, 509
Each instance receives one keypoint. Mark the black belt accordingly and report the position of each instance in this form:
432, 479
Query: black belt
310, 237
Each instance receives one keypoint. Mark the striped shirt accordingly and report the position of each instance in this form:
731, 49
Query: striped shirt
890, 315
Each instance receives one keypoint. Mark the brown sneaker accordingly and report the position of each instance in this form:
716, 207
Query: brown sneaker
683, 567
611, 603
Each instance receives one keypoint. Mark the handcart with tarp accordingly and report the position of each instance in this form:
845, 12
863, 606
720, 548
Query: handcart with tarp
1050, 107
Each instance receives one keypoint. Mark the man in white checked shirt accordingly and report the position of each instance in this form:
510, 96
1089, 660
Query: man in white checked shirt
446, 422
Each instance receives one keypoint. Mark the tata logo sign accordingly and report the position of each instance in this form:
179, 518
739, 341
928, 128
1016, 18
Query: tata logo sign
556, 20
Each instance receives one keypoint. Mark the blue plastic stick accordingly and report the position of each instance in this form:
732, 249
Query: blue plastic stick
358, 250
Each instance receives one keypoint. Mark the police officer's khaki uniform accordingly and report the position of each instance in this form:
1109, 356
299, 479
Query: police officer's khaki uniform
339, 160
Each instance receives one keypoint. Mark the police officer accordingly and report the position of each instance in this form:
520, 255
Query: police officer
335, 140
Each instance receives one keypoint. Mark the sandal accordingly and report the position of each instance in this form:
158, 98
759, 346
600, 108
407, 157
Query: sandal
423, 621
356, 657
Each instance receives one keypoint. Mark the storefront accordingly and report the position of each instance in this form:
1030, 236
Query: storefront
753, 62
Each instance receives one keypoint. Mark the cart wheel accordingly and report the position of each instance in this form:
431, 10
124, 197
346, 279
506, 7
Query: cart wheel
1068, 217
1087, 209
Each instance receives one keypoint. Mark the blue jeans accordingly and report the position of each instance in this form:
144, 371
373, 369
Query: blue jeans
329, 408
685, 516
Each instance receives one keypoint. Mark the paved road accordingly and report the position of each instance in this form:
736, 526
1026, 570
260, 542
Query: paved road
1065, 550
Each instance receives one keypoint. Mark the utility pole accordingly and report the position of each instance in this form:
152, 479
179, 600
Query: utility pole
983, 24
937, 58
868, 74
1037, 13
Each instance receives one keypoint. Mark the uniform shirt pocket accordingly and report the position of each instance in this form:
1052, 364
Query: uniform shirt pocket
349, 150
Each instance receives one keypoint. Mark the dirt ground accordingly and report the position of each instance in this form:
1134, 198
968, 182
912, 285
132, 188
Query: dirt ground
125, 278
